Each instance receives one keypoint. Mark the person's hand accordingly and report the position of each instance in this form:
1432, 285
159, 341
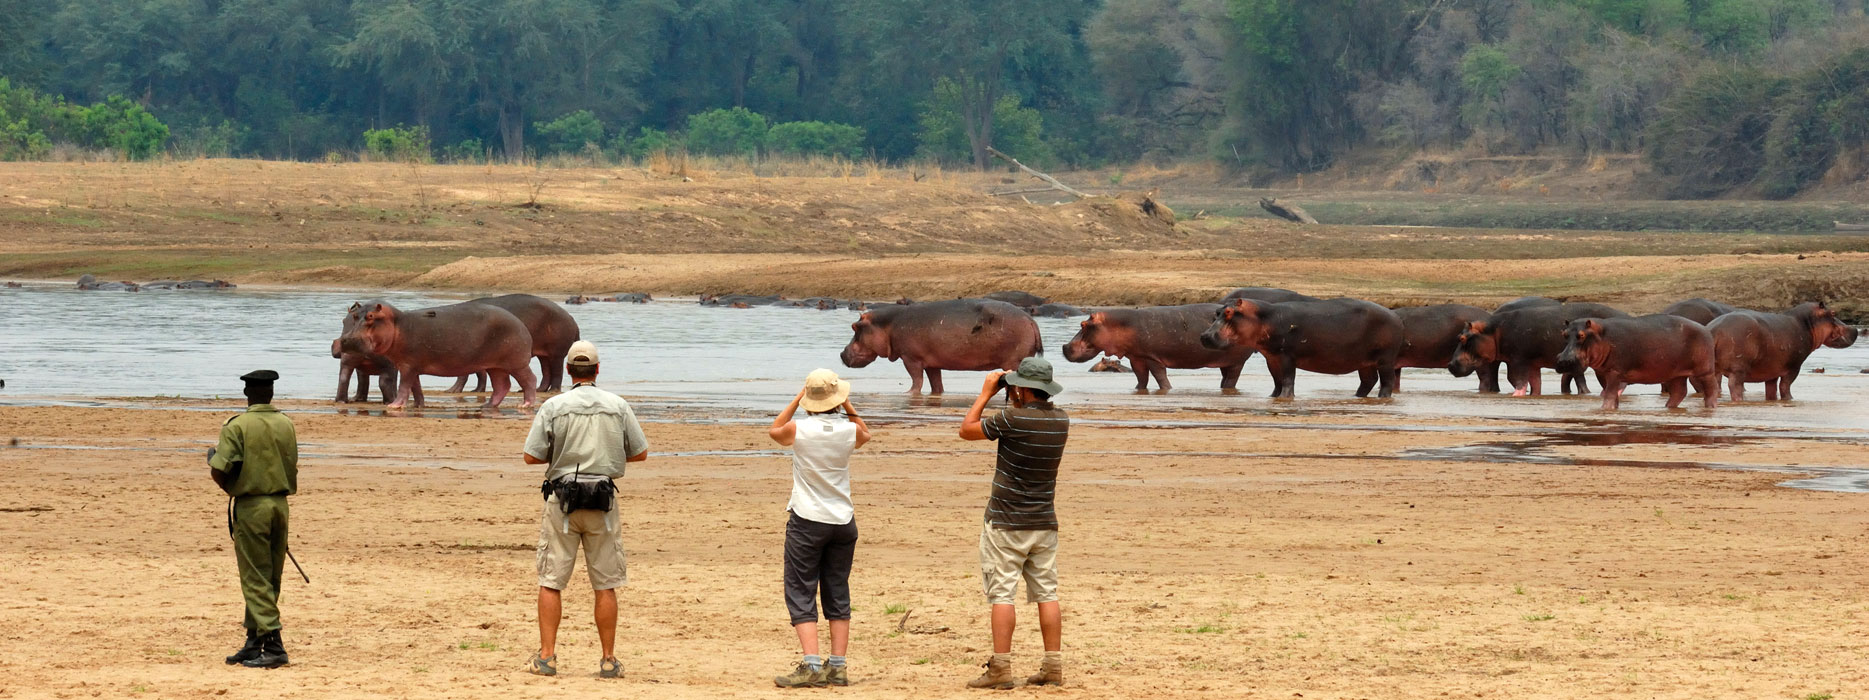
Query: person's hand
992, 382
849, 410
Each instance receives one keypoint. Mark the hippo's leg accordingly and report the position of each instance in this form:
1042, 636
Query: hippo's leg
1365, 380
1288, 379
934, 381
502, 383
1677, 391
1535, 381
343, 383
403, 392
480, 382
1141, 368
1230, 377
459, 385
1391, 379
1489, 378
915, 375
1160, 372
416, 382
363, 387
1612, 395
528, 386
1784, 386
1711, 399
386, 384
1700, 386
1736, 389
1515, 374
1771, 389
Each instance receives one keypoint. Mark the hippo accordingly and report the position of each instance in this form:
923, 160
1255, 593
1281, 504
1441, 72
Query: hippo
1526, 339
633, 298
88, 282
553, 331
14, 285
1109, 364
1023, 300
447, 341
1654, 349
1331, 336
737, 300
580, 299
1757, 346
364, 365
1431, 334
1155, 340
1525, 303
972, 335
905, 301
1052, 310
1701, 311
1266, 294
857, 306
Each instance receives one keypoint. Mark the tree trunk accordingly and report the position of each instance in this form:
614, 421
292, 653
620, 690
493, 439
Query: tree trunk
512, 132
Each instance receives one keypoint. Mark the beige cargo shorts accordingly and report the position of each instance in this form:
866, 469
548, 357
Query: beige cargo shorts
560, 535
1009, 555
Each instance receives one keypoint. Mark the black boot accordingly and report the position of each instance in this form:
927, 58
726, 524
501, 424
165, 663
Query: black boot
250, 650
272, 652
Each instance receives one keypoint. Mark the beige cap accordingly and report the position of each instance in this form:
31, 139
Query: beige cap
824, 391
582, 353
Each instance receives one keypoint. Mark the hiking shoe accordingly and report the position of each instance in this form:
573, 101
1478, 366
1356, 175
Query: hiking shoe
1049, 673
272, 652
838, 676
547, 666
998, 676
250, 650
609, 668
802, 677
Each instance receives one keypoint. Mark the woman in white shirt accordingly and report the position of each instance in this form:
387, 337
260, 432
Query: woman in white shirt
821, 535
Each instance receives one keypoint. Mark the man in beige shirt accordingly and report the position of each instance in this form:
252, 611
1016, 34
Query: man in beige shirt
586, 435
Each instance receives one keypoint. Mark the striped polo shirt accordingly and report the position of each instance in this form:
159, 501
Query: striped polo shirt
1031, 443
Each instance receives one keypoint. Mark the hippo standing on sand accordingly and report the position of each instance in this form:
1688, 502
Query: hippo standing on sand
1654, 349
1332, 336
971, 335
1431, 335
1155, 340
1267, 294
364, 366
1527, 339
448, 341
1701, 311
553, 331
1757, 346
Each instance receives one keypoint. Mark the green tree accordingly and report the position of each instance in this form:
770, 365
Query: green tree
571, 132
816, 138
721, 132
944, 131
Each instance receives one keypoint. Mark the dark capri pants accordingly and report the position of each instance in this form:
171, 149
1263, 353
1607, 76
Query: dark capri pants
817, 562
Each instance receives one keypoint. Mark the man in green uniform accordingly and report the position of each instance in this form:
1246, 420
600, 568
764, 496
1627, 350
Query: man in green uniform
257, 464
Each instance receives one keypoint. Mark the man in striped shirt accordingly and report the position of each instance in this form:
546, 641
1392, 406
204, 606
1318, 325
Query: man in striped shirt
1019, 538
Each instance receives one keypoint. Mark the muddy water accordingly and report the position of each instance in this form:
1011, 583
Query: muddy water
59, 345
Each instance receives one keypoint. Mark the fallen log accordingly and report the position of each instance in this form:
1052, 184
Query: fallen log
1034, 173
1289, 212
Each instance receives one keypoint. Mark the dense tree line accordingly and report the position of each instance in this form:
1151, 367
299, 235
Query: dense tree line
1721, 94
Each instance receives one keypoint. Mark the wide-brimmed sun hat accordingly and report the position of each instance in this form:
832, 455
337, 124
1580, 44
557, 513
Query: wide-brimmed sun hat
1035, 373
823, 391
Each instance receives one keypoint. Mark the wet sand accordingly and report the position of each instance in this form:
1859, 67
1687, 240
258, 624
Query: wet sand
1311, 553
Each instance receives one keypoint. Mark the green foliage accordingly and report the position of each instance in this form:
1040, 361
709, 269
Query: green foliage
405, 144
571, 132
210, 140
1733, 26
465, 151
1640, 17
1017, 131
647, 141
1710, 137
1820, 117
120, 125
32, 122
721, 132
816, 138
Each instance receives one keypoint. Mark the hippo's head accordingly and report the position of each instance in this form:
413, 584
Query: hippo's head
1478, 346
369, 327
1584, 346
1824, 326
1238, 323
870, 341
1089, 341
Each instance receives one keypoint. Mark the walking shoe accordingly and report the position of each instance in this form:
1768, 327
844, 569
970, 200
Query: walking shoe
802, 677
1049, 673
609, 668
998, 676
250, 650
542, 666
837, 676
272, 652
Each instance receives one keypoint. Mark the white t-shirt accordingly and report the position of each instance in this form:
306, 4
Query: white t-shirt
821, 450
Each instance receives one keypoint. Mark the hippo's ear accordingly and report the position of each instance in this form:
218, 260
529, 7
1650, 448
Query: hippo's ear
1593, 326
355, 305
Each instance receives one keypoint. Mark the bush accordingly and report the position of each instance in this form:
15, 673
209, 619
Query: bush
408, 144
18, 141
33, 122
647, 141
210, 140
571, 132
467, 151
722, 132
1709, 136
816, 139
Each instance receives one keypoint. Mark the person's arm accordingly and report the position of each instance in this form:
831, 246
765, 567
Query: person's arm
538, 449
633, 439
863, 429
970, 428
224, 460
783, 430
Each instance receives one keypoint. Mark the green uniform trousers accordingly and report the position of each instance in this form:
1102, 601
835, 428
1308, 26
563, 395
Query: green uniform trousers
260, 548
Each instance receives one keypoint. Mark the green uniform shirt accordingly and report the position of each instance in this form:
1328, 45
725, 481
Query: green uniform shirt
265, 442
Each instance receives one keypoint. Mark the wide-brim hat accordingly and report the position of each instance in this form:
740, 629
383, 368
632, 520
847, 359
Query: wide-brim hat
1035, 373
823, 391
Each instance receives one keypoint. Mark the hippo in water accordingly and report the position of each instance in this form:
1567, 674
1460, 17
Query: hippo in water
89, 283
1155, 340
1109, 364
1654, 349
1023, 300
740, 301
1701, 311
1055, 310
632, 298
1757, 346
1431, 335
1527, 339
553, 331
971, 335
447, 341
1272, 295
1331, 336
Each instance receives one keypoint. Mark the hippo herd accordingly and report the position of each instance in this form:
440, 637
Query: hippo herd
89, 283
1698, 343
497, 337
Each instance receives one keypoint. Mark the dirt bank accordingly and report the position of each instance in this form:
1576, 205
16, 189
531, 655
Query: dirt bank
1185, 574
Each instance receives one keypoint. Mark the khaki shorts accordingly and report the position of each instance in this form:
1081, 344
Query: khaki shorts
1008, 555
561, 533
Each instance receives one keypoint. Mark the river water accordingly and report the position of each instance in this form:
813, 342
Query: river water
59, 345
